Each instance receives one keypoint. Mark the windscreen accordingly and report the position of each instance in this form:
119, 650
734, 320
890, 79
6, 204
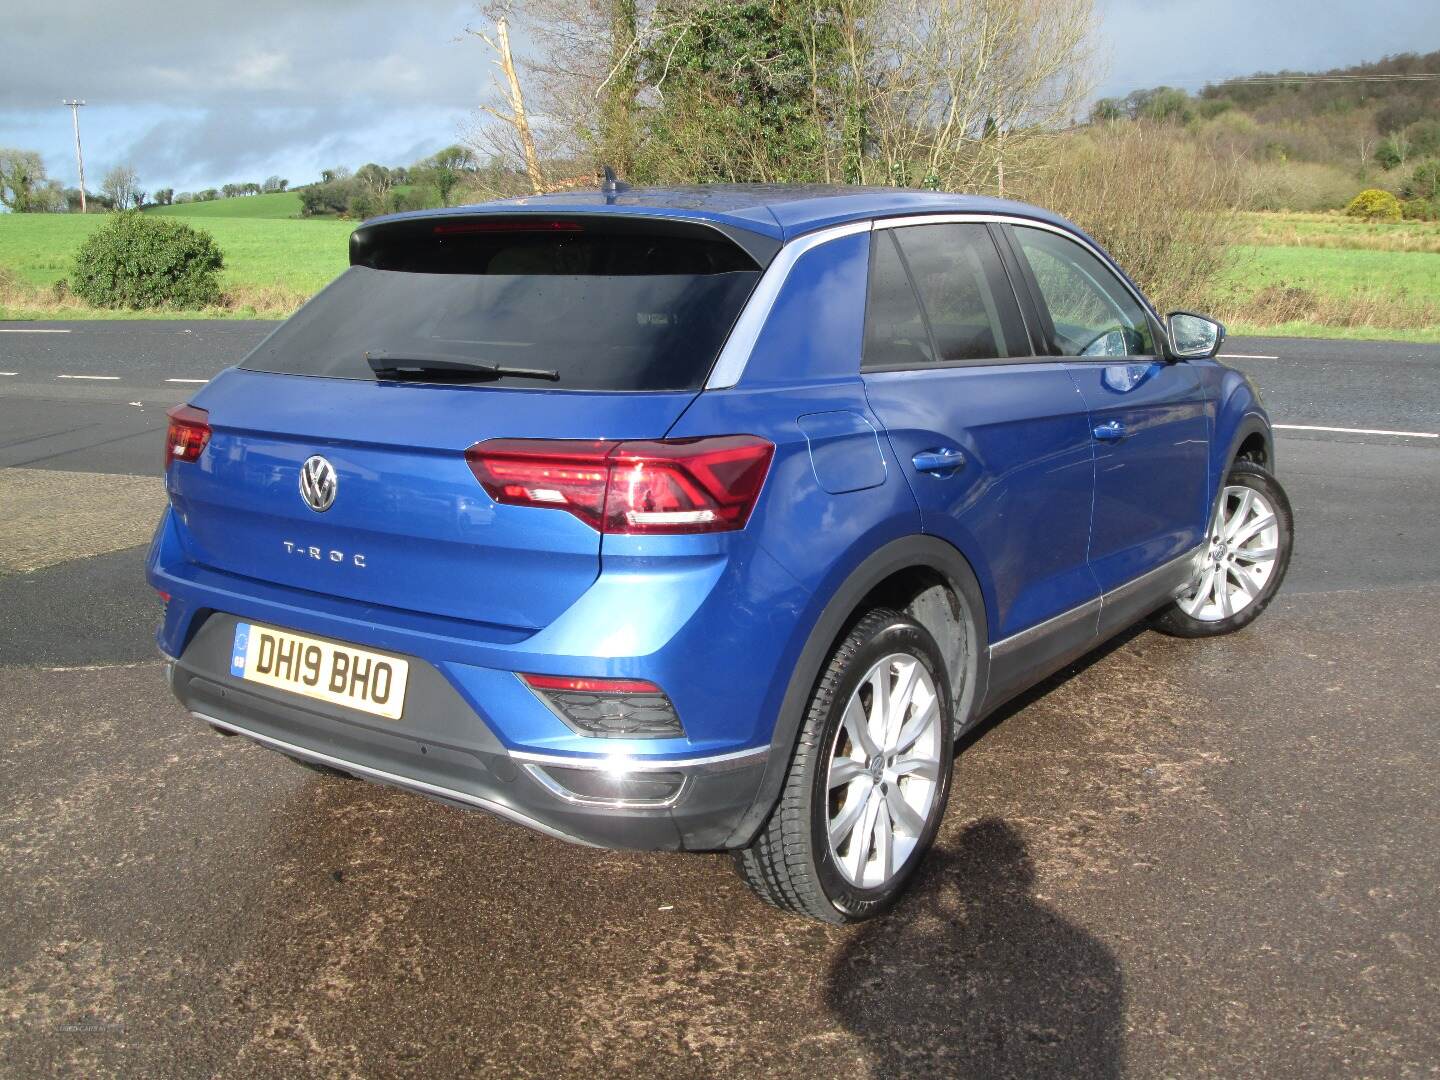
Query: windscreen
606, 306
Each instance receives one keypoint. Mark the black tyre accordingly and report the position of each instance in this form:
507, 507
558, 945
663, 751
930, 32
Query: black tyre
1247, 554
869, 781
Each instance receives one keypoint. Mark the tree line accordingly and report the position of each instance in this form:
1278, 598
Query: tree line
25, 188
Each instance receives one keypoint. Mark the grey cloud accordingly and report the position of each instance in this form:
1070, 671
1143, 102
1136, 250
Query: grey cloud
1191, 42
261, 52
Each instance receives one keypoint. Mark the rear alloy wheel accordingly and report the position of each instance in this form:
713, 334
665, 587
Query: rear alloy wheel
869, 782
1245, 558
884, 771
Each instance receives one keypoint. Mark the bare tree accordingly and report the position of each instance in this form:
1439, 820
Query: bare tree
513, 112
955, 93
955, 89
377, 179
120, 186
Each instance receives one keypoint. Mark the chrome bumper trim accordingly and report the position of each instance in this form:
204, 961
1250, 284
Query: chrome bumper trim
560, 791
714, 763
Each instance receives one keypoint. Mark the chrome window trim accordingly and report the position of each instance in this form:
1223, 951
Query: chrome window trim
713, 763
1028, 223
730, 365
498, 809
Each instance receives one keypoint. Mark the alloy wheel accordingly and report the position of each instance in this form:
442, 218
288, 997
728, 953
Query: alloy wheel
1244, 542
884, 771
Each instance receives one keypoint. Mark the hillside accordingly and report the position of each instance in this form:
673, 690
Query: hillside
275, 204
1311, 141
1394, 103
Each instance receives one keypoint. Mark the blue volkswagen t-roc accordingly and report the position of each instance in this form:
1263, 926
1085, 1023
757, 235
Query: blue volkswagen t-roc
703, 519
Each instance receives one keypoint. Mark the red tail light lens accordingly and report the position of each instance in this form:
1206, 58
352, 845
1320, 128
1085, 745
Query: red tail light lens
663, 486
188, 434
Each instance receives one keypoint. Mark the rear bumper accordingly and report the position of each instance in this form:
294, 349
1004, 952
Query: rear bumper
443, 749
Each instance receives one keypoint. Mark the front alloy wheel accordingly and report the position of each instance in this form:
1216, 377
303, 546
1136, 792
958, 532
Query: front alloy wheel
1244, 542
1243, 562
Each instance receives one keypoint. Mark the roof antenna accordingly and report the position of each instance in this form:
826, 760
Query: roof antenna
609, 186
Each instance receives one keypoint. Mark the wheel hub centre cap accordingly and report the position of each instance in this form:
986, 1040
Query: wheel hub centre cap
876, 768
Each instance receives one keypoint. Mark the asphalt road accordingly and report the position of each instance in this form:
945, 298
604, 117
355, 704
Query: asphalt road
1178, 858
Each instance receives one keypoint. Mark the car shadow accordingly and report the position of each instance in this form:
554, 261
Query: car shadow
974, 976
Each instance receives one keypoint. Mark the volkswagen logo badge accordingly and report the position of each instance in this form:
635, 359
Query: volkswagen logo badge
318, 483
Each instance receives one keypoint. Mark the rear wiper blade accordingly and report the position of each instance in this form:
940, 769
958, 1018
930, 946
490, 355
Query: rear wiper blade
407, 365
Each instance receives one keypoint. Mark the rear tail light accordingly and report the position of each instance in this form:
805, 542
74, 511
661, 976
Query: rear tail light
609, 708
189, 432
664, 486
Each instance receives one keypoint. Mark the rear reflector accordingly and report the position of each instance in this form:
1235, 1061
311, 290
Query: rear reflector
609, 708
188, 433
591, 686
660, 486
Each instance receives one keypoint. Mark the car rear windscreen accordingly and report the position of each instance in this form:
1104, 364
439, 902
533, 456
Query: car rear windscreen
607, 305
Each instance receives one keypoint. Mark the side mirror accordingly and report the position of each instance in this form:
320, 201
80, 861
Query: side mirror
1193, 337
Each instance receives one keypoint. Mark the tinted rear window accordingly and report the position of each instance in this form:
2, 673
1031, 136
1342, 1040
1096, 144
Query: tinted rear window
608, 306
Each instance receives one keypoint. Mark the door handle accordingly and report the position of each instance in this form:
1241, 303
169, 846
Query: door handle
940, 462
1110, 431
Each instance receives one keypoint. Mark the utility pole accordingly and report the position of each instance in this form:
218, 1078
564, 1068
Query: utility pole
74, 104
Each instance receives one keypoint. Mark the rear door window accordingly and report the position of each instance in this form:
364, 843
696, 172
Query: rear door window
895, 332
966, 295
605, 305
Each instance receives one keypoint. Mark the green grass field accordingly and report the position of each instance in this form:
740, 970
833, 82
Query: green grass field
269, 262
1359, 280
1338, 271
275, 204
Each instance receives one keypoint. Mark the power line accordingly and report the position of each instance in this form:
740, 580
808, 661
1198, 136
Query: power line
1417, 77
74, 105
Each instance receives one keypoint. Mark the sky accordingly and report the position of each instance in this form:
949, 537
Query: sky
203, 92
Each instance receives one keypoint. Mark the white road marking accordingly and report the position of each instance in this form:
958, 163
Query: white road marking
188, 380
9, 373
9, 331
1244, 356
97, 378
1359, 431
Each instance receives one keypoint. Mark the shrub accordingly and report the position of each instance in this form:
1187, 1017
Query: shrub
418, 197
139, 261
1162, 206
1297, 185
1372, 204
1424, 182
327, 197
1420, 210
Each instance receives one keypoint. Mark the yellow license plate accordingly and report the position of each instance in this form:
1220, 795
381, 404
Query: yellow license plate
326, 670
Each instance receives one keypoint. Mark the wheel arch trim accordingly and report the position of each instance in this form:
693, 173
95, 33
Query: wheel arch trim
915, 552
